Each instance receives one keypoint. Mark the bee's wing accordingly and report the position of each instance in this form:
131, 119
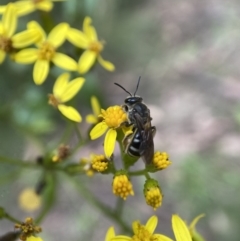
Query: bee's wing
146, 148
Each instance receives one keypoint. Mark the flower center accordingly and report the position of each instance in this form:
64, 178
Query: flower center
142, 234
5, 44
96, 46
52, 100
46, 51
114, 116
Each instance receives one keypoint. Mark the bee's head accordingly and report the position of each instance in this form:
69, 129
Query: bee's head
131, 100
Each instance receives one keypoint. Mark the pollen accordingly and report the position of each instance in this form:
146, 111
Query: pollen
96, 46
5, 44
160, 160
152, 193
46, 51
114, 116
122, 186
99, 163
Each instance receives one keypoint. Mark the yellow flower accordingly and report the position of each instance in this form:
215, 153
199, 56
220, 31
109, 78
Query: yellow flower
99, 162
113, 117
141, 232
93, 118
110, 234
146, 232
28, 6
9, 41
88, 40
46, 52
160, 160
29, 200
122, 186
63, 91
152, 193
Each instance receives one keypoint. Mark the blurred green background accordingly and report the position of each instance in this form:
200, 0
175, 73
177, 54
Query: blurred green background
187, 53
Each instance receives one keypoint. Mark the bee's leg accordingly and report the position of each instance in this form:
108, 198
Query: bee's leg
154, 130
126, 124
126, 141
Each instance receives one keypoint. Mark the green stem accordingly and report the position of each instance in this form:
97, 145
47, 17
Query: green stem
119, 207
84, 192
138, 173
21, 163
50, 199
10, 218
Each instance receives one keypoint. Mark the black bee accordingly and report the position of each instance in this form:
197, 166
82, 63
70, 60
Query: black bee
140, 142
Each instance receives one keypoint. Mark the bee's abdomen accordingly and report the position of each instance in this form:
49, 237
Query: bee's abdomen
133, 149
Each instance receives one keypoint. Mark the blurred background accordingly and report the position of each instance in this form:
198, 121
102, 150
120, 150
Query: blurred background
187, 54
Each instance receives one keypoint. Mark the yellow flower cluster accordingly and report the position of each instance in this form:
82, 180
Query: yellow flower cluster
99, 163
160, 160
152, 193
122, 186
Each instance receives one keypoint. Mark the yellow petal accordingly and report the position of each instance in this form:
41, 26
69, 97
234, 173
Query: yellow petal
195, 221
26, 56
86, 61
152, 224
35, 25
40, 71
33, 238
91, 119
89, 30
25, 38
160, 237
58, 34
180, 229
95, 106
44, 5
135, 226
77, 38
2, 9
98, 130
109, 142
121, 238
24, 7
110, 234
9, 20
70, 112
2, 56
106, 64
64, 61
61, 84
72, 89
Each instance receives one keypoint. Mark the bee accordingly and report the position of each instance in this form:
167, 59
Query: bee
140, 142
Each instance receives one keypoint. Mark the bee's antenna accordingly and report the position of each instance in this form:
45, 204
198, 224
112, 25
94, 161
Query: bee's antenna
137, 85
123, 88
